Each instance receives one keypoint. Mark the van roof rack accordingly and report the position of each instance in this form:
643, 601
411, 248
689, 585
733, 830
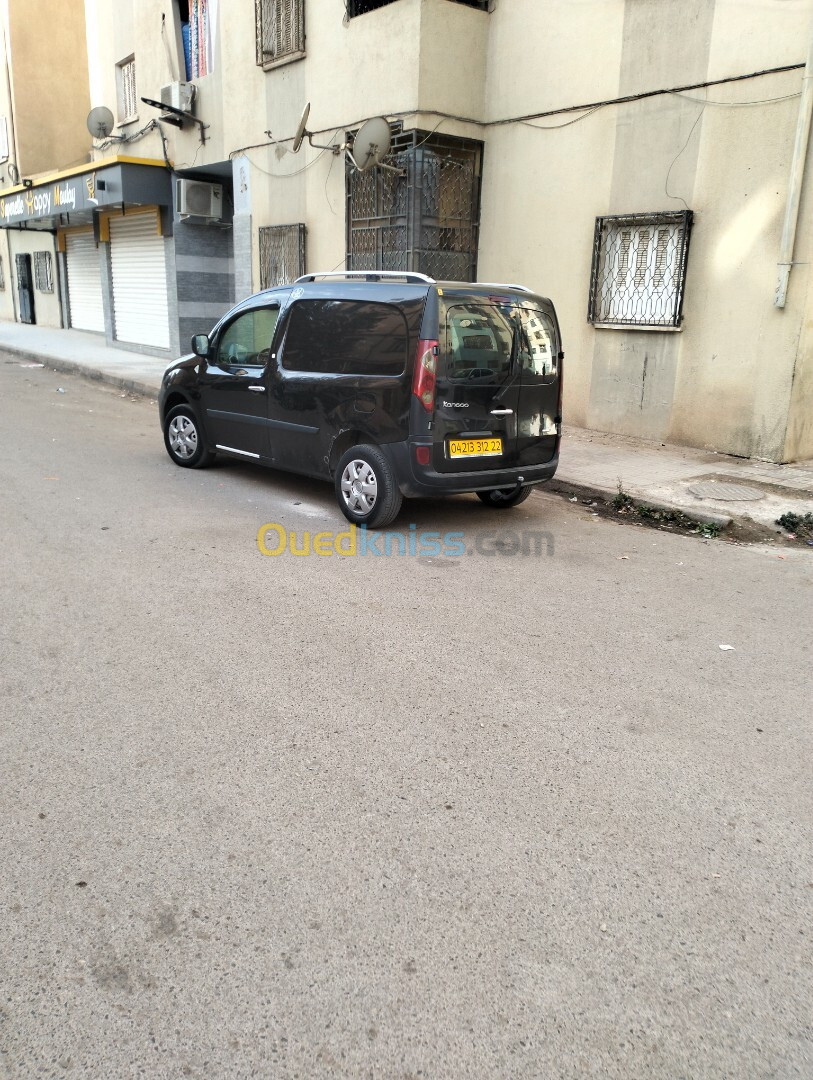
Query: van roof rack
369, 275
504, 285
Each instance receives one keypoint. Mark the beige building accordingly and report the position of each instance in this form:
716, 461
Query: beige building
43, 100
632, 160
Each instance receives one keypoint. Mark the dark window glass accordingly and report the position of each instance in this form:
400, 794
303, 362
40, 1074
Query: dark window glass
345, 337
537, 356
478, 342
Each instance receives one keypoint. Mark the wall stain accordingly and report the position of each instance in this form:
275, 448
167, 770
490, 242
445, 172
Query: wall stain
643, 381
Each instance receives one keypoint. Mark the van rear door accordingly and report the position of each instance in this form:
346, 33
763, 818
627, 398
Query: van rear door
539, 366
478, 384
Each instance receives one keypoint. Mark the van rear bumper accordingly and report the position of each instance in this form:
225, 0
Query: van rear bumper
414, 479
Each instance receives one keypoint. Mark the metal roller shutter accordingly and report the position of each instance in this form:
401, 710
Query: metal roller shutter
138, 264
84, 282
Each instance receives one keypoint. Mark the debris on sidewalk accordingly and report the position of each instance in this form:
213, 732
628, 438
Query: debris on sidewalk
61, 390
727, 648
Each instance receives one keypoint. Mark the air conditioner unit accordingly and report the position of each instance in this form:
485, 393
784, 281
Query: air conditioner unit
179, 95
193, 198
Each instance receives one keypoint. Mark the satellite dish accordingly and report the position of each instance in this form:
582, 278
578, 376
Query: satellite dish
372, 143
301, 130
100, 122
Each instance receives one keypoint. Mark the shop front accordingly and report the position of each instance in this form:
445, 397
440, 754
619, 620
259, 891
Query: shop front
109, 226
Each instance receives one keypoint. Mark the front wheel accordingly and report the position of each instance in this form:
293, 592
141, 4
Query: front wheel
184, 439
503, 498
366, 489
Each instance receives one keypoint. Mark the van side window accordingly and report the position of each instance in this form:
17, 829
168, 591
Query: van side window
246, 342
345, 337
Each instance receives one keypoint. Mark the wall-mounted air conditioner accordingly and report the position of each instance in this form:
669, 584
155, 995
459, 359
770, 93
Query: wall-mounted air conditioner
194, 198
179, 95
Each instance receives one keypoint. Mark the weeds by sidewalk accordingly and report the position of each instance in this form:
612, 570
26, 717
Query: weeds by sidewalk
624, 505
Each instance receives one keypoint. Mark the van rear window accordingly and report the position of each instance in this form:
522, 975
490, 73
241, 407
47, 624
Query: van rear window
345, 337
538, 354
478, 341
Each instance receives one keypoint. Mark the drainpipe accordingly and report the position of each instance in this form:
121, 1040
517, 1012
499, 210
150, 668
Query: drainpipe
797, 172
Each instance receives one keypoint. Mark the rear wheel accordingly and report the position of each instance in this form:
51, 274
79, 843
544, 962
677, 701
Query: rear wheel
184, 439
503, 498
366, 489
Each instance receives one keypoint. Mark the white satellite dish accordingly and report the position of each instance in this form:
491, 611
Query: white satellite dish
371, 144
100, 122
301, 130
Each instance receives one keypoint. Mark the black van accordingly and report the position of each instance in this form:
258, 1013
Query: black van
389, 384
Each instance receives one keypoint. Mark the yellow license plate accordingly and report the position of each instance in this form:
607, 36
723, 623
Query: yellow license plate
475, 447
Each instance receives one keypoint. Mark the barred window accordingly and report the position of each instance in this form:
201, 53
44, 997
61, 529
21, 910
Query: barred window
43, 272
126, 91
282, 254
639, 268
361, 7
280, 30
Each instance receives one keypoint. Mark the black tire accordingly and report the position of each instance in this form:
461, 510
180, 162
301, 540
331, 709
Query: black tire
184, 439
503, 498
376, 499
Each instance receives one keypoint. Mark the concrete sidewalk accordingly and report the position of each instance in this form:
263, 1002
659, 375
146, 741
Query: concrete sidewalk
705, 485
84, 354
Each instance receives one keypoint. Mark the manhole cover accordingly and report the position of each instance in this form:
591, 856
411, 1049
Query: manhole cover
725, 492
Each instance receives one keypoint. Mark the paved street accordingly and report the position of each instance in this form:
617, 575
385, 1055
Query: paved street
484, 815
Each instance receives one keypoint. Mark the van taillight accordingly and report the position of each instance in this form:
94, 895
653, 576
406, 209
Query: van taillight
423, 382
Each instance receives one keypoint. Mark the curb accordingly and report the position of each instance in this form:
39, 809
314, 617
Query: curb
575, 487
73, 367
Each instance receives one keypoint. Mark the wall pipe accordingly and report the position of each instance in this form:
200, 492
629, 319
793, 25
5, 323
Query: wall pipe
797, 172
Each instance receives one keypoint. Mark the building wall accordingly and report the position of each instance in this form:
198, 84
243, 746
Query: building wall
735, 377
724, 381
49, 84
204, 277
47, 307
7, 300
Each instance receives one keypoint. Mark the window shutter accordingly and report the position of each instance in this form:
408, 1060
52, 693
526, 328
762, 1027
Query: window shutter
280, 29
642, 258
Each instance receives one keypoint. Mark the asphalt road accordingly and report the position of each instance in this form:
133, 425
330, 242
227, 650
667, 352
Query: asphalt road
483, 815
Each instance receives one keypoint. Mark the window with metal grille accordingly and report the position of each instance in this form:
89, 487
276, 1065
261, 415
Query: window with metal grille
639, 269
282, 254
43, 273
280, 30
425, 217
126, 90
361, 7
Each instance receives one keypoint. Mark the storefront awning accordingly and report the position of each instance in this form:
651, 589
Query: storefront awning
71, 196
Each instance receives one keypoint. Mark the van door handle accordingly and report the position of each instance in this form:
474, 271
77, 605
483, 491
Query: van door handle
257, 389
502, 412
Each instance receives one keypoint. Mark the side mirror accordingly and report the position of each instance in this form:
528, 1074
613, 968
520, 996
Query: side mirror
200, 345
